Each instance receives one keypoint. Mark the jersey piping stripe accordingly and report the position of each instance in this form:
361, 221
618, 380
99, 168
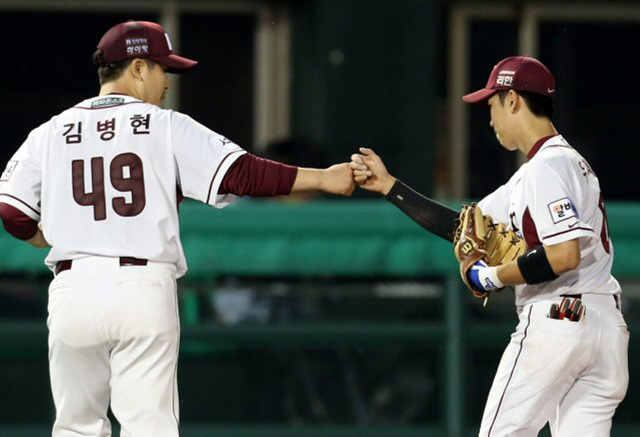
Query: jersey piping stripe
546, 237
515, 363
21, 201
175, 368
217, 170
104, 107
564, 146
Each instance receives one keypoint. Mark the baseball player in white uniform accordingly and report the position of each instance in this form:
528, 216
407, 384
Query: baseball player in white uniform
566, 364
105, 179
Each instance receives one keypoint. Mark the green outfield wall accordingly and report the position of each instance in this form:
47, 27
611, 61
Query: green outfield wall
349, 241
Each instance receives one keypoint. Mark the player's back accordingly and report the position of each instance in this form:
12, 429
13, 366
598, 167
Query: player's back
109, 181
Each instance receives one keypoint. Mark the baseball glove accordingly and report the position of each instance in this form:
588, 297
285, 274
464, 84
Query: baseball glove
477, 238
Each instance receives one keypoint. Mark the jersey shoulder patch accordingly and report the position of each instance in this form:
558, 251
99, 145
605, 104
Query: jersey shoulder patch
6, 174
562, 209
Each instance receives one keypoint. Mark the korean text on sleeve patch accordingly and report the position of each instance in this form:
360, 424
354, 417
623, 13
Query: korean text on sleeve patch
562, 209
6, 174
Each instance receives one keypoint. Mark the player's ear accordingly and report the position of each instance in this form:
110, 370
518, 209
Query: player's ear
137, 68
514, 100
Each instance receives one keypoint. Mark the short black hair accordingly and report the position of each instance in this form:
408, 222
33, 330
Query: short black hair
539, 105
108, 71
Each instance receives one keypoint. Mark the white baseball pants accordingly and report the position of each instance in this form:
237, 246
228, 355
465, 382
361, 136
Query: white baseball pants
113, 341
570, 374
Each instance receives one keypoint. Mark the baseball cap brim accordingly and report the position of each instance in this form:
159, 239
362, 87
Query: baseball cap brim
479, 96
175, 63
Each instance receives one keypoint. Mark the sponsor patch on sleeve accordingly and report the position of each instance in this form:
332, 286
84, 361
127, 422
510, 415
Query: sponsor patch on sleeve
562, 209
6, 174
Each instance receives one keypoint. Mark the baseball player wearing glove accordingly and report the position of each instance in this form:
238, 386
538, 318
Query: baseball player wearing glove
106, 177
566, 363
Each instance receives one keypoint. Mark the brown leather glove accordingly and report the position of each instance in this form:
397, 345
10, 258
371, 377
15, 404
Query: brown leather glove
479, 238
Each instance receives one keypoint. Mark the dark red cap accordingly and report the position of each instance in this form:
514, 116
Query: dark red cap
142, 39
520, 73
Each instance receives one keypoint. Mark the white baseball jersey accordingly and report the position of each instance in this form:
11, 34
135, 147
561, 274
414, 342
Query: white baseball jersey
570, 374
553, 198
104, 178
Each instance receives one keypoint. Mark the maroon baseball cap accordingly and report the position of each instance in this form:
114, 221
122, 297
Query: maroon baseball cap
520, 73
142, 39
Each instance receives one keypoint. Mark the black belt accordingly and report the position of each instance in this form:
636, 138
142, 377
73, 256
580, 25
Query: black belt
579, 296
124, 261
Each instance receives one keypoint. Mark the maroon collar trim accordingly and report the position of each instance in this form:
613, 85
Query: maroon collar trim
538, 145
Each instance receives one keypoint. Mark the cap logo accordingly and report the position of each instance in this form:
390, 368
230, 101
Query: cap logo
137, 46
504, 79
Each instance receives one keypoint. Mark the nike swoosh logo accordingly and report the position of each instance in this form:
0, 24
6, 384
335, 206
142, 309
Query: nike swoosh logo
549, 90
573, 224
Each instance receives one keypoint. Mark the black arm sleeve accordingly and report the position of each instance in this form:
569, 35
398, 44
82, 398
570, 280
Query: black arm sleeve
535, 268
431, 215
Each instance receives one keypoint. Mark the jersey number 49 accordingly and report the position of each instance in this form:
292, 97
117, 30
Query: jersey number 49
126, 175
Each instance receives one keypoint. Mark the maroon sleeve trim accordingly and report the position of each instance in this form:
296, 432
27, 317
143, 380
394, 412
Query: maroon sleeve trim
546, 237
21, 201
17, 223
258, 177
217, 170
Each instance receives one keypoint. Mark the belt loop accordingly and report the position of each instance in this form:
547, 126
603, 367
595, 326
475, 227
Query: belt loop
131, 261
62, 266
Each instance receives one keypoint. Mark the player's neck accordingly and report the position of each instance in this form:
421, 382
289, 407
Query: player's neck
118, 87
534, 130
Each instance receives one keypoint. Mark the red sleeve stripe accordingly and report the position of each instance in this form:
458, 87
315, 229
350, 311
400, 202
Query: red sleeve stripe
546, 237
217, 170
22, 202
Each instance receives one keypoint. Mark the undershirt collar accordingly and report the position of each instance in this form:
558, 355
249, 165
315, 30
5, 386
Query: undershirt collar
536, 147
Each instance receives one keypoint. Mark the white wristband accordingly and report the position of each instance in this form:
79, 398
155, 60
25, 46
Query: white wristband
489, 278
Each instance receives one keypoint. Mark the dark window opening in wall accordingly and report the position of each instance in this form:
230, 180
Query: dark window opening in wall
219, 93
47, 67
597, 109
490, 165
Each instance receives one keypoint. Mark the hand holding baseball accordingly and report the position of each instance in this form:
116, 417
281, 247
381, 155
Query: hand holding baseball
370, 172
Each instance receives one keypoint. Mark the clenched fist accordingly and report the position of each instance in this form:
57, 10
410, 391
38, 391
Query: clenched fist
338, 179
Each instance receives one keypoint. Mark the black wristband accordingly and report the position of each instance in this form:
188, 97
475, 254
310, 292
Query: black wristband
535, 268
431, 215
